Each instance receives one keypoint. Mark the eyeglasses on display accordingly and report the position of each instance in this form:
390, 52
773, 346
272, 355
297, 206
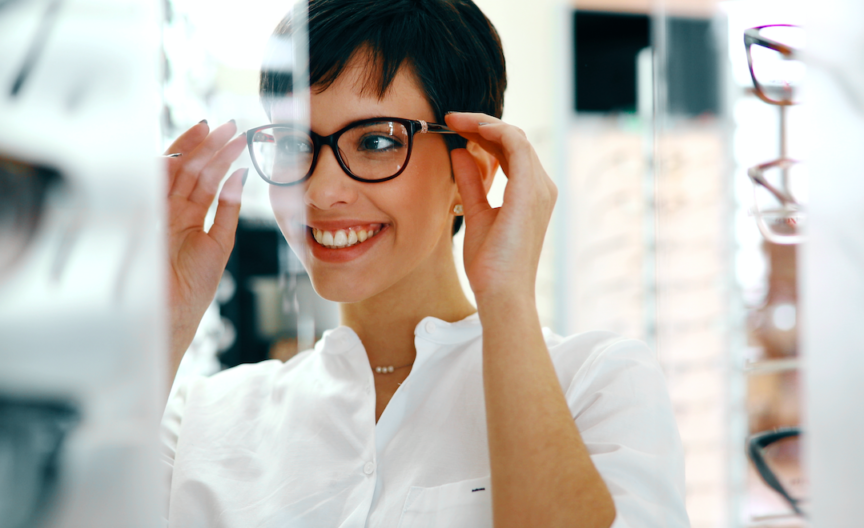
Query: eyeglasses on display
777, 457
775, 62
780, 216
370, 150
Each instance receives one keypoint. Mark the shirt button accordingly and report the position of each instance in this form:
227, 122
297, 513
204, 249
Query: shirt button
430, 327
369, 468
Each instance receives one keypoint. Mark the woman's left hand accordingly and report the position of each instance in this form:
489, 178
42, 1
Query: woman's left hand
502, 244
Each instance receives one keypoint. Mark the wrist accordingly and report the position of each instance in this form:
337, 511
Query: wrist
512, 296
508, 302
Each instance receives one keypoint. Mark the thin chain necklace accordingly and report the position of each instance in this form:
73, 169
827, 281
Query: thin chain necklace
390, 368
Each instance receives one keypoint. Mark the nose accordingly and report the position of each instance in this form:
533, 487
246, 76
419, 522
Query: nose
329, 187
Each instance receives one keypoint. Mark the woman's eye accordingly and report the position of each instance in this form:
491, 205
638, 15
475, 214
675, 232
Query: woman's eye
294, 146
379, 143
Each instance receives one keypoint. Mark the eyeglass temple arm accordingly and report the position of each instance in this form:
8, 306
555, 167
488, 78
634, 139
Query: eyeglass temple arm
755, 445
755, 173
752, 36
433, 128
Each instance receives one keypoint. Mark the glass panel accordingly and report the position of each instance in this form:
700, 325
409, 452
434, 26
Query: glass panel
282, 155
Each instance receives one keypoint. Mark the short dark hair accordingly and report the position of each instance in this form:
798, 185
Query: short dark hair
451, 47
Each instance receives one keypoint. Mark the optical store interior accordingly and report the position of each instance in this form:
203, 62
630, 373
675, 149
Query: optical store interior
704, 156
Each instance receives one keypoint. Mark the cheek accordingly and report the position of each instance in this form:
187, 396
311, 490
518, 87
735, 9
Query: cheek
290, 213
424, 198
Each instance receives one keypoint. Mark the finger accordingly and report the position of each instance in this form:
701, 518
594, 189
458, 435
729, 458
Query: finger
478, 125
190, 139
467, 120
468, 126
518, 154
470, 184
184, 144
228, 211
213, 172
193, 163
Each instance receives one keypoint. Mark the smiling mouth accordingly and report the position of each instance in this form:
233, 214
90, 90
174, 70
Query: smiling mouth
345, 238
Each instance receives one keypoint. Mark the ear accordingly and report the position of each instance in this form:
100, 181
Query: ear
487, 163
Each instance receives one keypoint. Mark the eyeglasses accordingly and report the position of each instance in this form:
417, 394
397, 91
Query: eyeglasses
778, 69
775, 62
32, 434
780, 217
370, 150
777, 456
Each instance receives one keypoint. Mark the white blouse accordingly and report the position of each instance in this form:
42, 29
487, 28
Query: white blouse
295, 444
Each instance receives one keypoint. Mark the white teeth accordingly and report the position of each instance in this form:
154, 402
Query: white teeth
343, 238
340, 239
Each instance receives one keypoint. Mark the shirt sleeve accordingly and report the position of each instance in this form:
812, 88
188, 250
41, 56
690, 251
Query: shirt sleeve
622, 409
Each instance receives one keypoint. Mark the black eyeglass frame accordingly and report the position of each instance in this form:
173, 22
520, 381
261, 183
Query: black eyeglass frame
413, 126
751, 37
755, 446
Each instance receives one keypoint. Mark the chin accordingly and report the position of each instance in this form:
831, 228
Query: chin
337, 287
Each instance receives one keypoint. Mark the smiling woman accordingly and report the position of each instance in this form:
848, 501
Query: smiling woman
420, 409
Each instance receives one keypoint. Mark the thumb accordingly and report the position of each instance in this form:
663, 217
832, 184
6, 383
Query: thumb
469, 182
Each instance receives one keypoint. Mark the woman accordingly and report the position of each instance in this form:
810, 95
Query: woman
420, 410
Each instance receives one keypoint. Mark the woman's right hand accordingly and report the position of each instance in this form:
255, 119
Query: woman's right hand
196, 257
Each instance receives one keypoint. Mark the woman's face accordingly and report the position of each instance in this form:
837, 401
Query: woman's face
407, 220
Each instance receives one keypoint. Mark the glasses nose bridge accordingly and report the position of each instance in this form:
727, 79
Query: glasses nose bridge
327, 141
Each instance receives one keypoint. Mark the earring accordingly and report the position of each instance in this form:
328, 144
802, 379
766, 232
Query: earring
457, 209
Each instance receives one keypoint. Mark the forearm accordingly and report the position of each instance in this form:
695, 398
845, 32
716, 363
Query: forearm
542, 474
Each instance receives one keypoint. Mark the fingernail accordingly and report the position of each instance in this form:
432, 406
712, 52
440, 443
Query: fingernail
203, 121
233, 122
450, 112
482, 123
245, 174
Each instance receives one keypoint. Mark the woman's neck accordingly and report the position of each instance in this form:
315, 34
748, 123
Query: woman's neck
385, 323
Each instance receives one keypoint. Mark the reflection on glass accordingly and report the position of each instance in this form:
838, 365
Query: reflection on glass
23, 191
31, 440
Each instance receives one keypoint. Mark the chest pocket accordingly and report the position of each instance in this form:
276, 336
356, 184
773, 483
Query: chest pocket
464, 504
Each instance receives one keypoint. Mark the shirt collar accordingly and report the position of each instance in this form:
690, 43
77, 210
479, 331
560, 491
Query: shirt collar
342, 338
444, 333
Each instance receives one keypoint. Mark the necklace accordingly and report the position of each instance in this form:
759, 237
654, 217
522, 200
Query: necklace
390, 368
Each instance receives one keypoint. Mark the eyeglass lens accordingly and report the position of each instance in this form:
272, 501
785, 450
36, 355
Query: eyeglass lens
779, 218
778, 76
783, 457
371, 151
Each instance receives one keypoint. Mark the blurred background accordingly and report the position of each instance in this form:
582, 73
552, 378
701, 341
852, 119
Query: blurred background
643, 112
